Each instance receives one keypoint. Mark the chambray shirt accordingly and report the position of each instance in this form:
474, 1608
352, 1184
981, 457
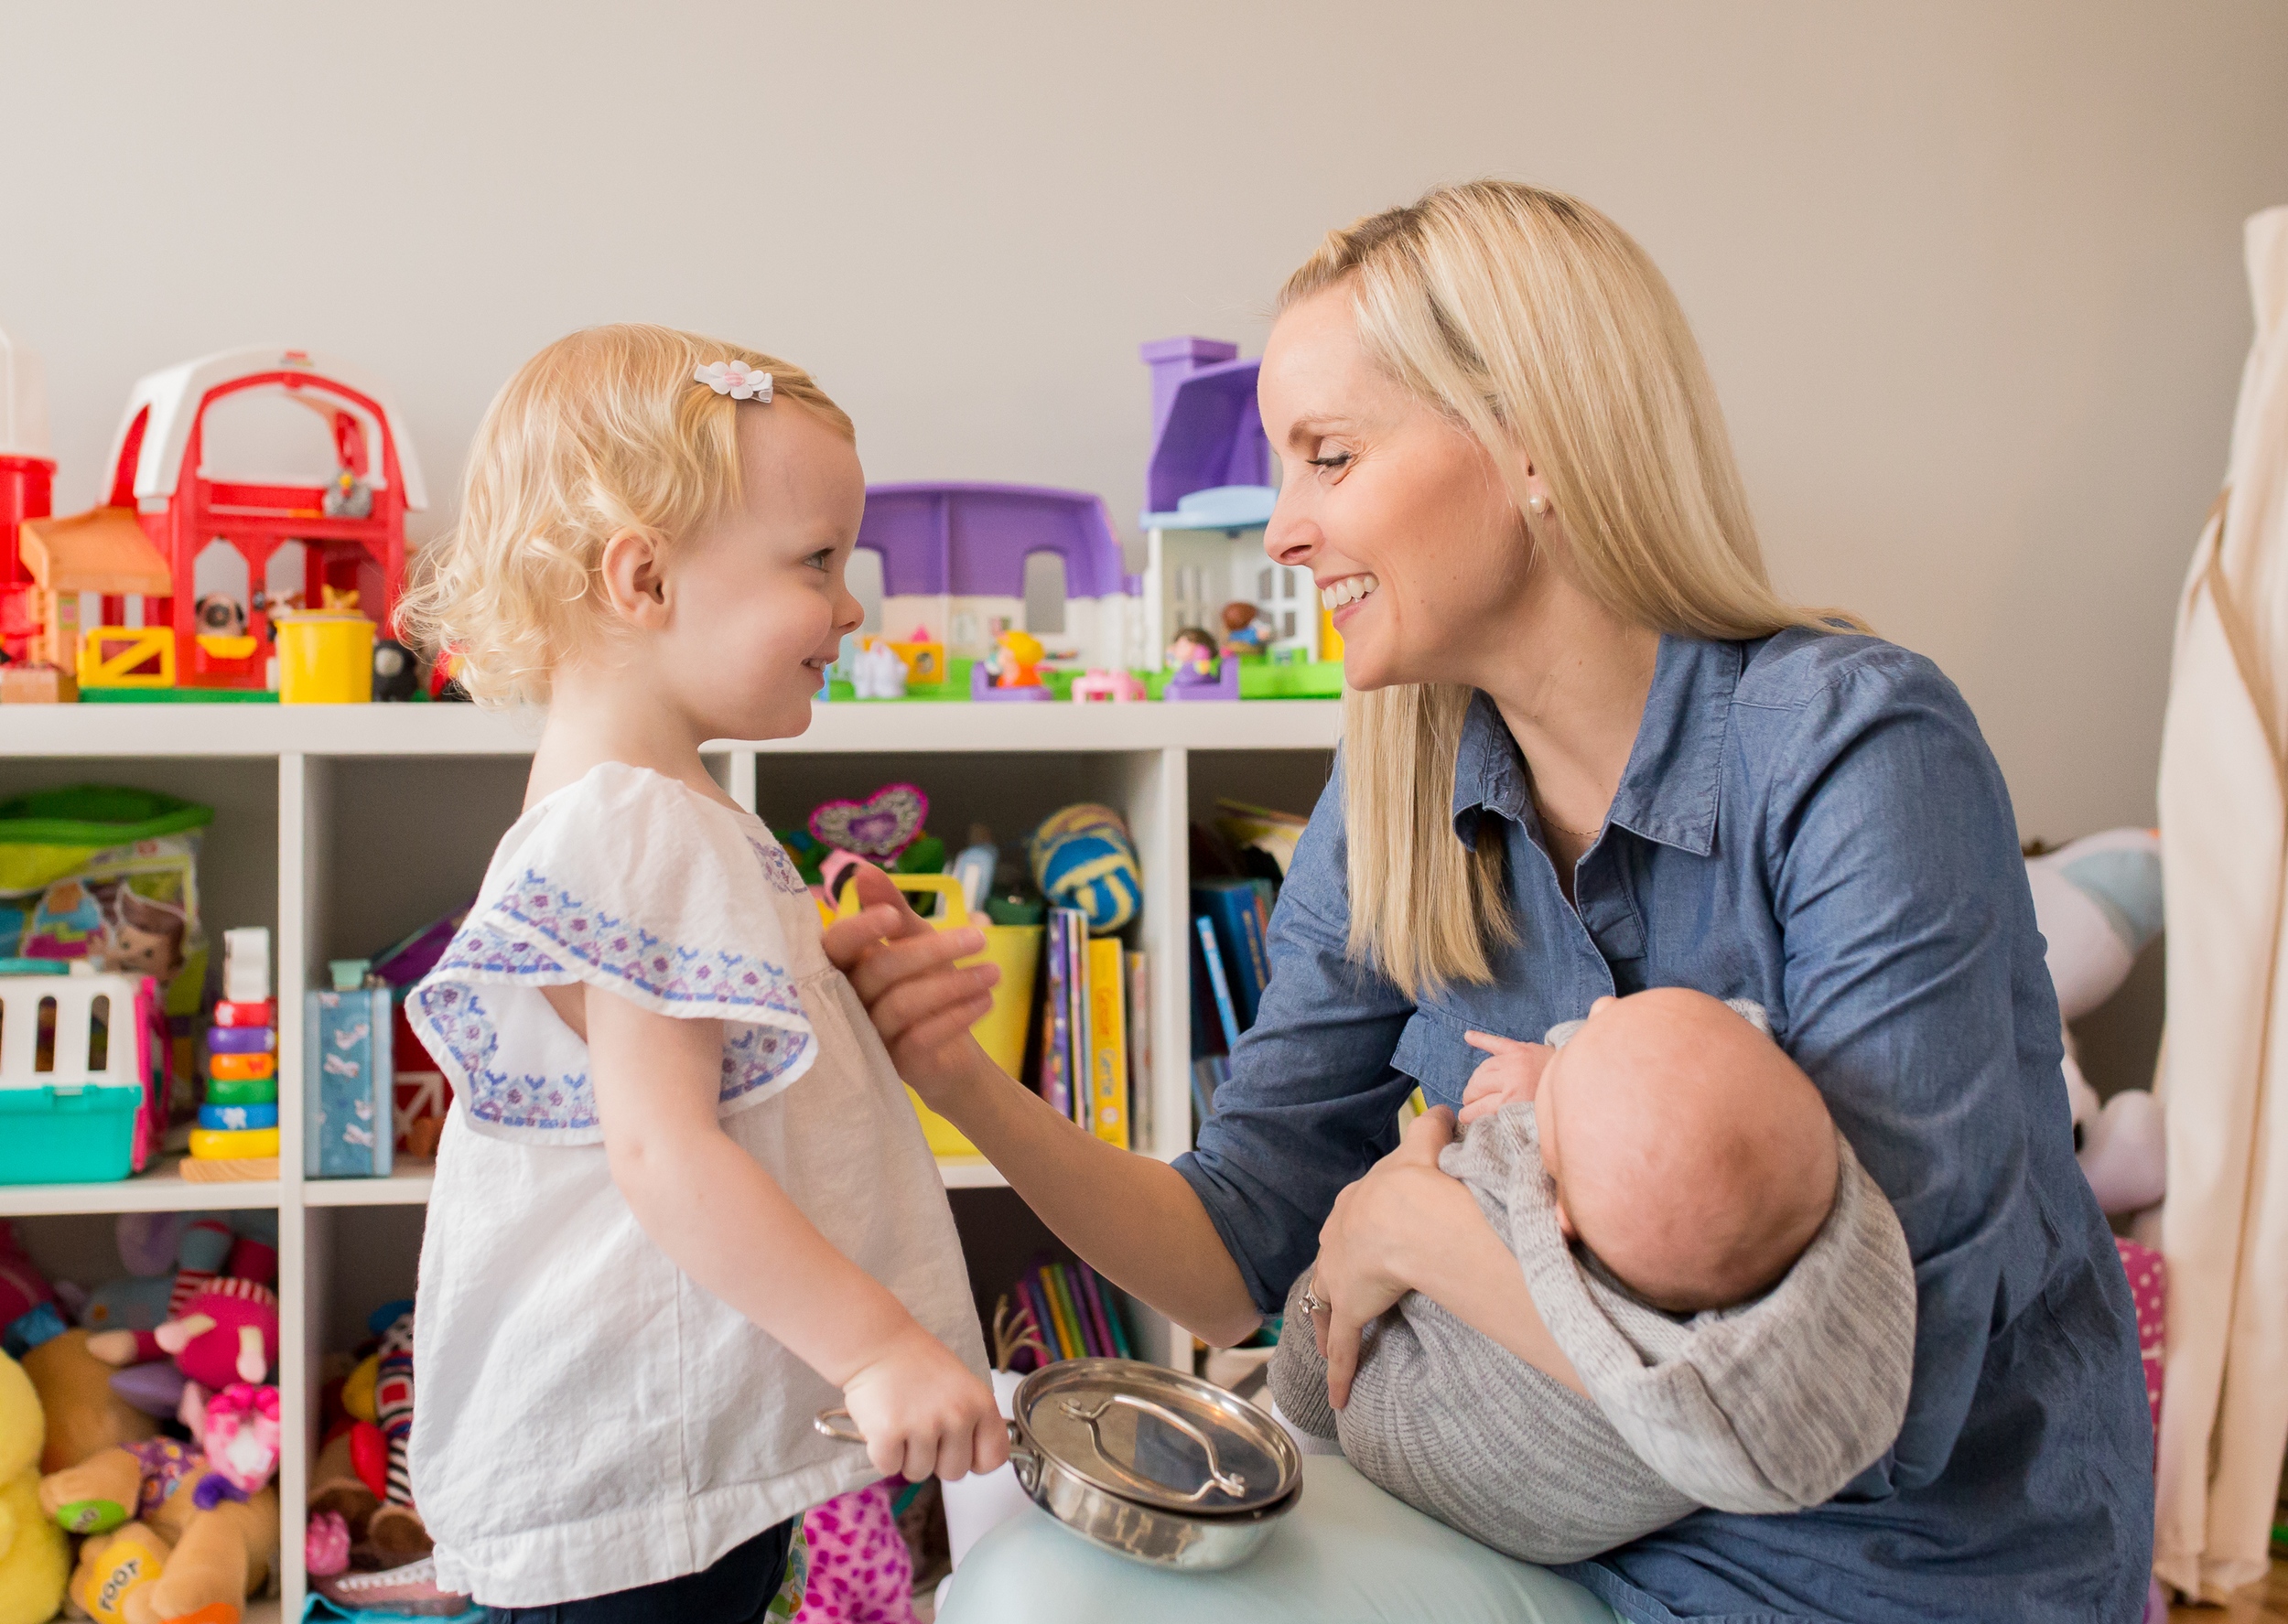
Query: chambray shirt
1812, 822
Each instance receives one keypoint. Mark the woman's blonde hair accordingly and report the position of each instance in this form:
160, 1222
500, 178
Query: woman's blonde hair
1541, 328
604, 430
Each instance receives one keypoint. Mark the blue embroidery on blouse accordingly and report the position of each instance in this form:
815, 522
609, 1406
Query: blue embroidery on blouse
780, 867
753, 1056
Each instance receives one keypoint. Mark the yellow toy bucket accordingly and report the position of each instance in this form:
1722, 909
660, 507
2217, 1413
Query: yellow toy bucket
325, 658
1001, 1031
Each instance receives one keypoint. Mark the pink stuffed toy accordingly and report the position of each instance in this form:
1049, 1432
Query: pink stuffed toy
860, 1571
241, 1436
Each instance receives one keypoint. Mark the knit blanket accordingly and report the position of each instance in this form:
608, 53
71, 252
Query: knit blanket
1772, 1405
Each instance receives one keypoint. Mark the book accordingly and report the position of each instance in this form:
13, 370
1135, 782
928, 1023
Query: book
1232, 904
1060, 1283
1092, 1309
1259, 828
1108, 1043
1218, 987
1068, 1324
1110, 1308
1078, 1104
1140, 1052
1053, 1329
1056, 1077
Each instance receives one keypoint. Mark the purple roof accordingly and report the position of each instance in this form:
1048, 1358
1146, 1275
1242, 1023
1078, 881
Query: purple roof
1206, 430
972, 540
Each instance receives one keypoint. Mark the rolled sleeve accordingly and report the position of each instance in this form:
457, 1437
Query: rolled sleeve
1313, 1101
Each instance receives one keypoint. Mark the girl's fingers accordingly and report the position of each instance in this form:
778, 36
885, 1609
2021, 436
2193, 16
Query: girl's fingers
990, 1449
1494, 1043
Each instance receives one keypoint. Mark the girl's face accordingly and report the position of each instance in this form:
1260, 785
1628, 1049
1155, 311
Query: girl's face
756, 603
1400, 516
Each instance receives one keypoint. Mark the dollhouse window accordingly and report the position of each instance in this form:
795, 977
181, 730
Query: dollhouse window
1044, 593
286, 578
863, 575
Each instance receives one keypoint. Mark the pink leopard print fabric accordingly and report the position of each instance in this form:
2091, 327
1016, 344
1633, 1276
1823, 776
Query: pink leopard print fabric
2148, 1285
860, 1571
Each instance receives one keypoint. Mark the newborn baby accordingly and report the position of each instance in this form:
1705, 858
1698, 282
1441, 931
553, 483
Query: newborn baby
1688, 1154
1725, 1279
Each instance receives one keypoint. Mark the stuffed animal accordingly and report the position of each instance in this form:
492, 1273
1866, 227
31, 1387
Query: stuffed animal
205, 1522
34, 1558
85, 1416
878, 673
2098, 902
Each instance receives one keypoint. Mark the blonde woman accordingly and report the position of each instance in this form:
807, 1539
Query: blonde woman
1589, 750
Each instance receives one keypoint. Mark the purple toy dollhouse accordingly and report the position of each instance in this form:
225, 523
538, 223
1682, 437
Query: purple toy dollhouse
1209, 496
958, 557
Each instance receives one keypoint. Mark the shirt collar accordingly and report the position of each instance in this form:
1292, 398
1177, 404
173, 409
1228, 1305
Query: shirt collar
1668, 790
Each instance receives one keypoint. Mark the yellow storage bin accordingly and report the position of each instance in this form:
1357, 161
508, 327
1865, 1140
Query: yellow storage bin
218, 1144
1002, 1030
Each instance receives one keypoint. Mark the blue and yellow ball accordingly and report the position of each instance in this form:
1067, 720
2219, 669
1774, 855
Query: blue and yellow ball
1082, 857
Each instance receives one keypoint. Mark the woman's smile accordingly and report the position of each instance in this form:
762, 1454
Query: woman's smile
1341, 597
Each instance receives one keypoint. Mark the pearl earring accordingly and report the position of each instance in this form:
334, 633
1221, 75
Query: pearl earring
1537, 505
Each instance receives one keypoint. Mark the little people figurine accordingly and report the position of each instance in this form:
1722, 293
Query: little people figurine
1015, 661
1242, 634
1193, 649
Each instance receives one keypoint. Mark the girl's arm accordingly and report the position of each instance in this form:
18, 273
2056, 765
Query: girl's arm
724, 1221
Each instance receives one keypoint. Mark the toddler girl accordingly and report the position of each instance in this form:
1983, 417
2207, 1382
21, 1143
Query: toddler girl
682, 1202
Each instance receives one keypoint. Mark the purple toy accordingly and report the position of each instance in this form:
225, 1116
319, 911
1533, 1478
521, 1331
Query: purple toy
953, 557
1189, 681
1206, 429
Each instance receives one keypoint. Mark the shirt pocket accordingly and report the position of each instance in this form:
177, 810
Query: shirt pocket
1430, 1050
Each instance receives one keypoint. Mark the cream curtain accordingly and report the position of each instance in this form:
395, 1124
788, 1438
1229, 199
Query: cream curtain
2224, 1073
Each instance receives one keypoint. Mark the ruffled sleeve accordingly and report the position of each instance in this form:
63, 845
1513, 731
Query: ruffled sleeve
630, 882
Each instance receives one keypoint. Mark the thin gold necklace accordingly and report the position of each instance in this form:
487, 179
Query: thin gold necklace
1550, 822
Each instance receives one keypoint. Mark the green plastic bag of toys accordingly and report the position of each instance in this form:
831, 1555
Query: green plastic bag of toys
110, 875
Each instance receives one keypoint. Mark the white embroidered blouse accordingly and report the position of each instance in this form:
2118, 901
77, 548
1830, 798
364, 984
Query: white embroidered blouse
590, 1419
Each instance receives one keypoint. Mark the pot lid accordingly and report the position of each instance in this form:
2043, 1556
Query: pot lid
1158, 1437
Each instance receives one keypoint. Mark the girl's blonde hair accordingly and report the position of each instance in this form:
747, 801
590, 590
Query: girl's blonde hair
1541, 328
604, 430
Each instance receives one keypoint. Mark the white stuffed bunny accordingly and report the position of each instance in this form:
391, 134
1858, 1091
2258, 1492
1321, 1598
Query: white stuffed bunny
2098, 902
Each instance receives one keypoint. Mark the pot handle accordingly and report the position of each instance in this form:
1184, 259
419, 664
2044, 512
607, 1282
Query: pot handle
1021, 1455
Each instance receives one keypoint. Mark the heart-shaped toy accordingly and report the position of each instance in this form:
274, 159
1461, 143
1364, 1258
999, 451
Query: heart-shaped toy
881, 826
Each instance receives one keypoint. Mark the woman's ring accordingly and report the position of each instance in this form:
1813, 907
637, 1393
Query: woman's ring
1309, 1302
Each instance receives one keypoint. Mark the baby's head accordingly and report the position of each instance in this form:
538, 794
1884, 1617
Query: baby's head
645, 502
1690, 1155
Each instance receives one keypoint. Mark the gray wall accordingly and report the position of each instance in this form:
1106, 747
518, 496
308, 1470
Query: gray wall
1967, 274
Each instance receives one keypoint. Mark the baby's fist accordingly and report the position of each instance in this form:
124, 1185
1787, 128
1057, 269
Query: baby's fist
1510, 1074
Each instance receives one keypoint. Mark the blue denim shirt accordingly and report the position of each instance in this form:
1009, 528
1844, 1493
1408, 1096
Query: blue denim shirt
1812, 822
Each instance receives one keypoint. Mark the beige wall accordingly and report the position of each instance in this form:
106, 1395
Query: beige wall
1968, 273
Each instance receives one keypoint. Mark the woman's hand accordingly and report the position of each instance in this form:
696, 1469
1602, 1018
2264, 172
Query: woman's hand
922, 1412
904, 971
1380, 1225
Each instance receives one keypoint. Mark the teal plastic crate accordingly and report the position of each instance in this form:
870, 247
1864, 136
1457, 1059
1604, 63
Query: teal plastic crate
52, 1134
82, 1072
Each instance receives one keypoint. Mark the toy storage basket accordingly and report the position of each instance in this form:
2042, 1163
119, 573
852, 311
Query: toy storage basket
1001, 1031
63, 1121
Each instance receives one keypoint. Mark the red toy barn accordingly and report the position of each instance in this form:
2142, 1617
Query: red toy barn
349, 535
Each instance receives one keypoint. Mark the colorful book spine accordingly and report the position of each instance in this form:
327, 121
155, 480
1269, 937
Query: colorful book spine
1108, 1043
1080, 1107
1052, 1330
1056, 1078
1232, 904
1109, 1310
1218, 987
1061, 1298
1069, 1335
1140, 1052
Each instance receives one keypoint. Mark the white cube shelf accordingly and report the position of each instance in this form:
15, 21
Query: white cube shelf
345, 826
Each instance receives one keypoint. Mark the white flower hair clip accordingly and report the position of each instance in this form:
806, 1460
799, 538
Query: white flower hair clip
736, 379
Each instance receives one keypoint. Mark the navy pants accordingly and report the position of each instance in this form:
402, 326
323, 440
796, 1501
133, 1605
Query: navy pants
737, 1590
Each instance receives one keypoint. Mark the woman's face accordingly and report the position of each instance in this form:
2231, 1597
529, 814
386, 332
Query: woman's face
1400, 516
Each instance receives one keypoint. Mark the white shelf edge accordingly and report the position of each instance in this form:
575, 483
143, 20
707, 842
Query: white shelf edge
163, 1189
409, 1187
952, 727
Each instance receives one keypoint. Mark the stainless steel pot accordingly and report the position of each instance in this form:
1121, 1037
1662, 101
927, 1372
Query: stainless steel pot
1157, 1465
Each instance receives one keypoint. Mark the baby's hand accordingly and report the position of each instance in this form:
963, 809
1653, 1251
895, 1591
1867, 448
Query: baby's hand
1510, 1074
923, 1412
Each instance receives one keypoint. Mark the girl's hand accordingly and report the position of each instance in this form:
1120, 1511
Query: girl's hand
905, 975
1400, 1211
922, 1412
1509, 1077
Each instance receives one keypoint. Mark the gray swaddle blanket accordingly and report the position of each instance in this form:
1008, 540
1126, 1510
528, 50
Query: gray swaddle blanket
1773, 1405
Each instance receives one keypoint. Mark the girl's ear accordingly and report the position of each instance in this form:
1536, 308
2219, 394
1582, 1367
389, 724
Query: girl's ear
634, 584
